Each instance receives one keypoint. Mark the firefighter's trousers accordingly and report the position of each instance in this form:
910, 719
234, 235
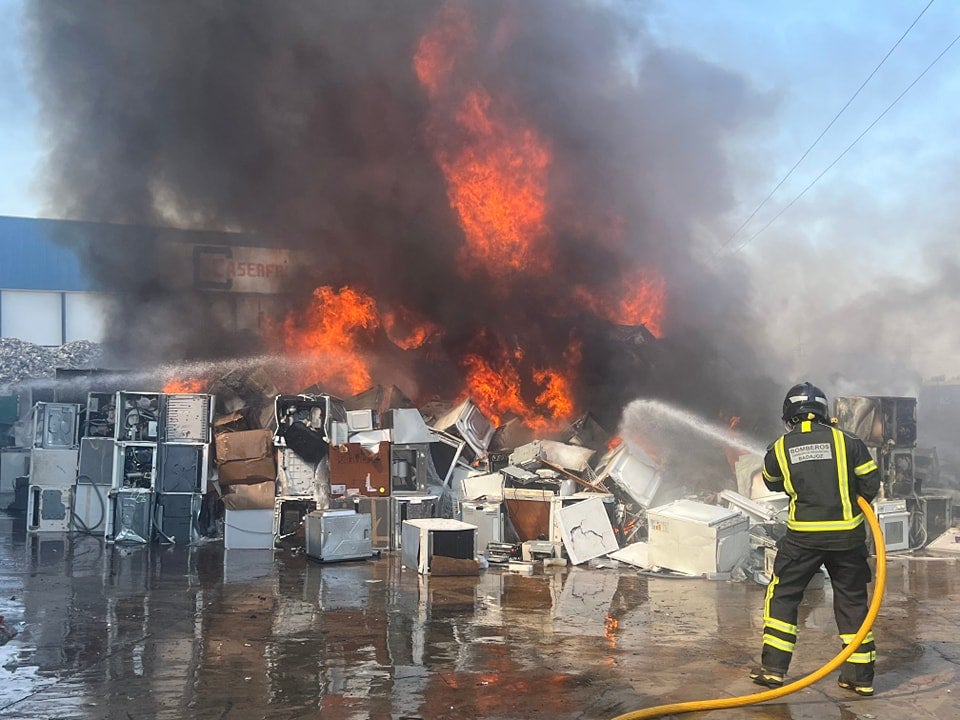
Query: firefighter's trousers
793, 569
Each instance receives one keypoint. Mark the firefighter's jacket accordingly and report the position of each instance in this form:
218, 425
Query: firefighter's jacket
823, 470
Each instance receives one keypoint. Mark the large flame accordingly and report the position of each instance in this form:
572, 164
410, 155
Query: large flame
406, 329
639, 298
495, 385
494, 161
335, 332
497, 165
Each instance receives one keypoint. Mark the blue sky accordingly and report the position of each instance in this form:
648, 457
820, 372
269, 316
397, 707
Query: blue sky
811, 57
20, 145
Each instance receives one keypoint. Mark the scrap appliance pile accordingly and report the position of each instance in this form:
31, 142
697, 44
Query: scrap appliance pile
349, 478
579, 496
20, 360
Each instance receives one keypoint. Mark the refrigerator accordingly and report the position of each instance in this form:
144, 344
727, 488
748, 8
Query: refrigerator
186, 418
14, 463
49, 509
695, 538
53, 468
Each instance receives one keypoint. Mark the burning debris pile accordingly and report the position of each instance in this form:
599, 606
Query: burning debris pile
578, 495
21, 360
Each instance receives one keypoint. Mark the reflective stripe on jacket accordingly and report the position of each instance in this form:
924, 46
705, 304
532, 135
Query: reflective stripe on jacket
823, 470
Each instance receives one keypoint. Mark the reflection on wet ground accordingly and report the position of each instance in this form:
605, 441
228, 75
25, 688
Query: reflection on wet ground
199, 632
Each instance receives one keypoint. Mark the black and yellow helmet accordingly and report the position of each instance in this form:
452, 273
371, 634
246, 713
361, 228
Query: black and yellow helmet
803, 401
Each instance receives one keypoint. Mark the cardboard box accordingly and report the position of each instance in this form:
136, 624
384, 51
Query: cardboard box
245, 457
258, 496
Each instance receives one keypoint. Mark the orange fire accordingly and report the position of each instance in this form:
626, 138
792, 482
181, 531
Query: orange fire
641, 300
192, 385
732, 454
496, 163
610, 627
499, 169
406, 330
334, 333
437, 51
495, 386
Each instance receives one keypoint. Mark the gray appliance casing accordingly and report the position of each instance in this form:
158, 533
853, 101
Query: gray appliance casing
295, 476
96, 461
14, 463
90, 507
248, 529
380, 511
94, 478
186, 417
55, 425
176, 517
53, 468
48, 509
131, 513
182, 468
488, 517
333, 535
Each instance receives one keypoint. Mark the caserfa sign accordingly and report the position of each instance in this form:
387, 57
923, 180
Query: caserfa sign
241, 269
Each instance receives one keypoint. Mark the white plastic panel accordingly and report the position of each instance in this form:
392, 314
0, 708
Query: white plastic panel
85, 316
32, 316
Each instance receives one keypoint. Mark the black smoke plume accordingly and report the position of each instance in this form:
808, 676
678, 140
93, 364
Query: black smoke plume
305, 123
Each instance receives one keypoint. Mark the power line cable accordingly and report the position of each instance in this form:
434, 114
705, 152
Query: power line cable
825, 130
849, 147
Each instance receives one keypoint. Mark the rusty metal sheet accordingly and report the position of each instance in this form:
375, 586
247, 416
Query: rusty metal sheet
355, 468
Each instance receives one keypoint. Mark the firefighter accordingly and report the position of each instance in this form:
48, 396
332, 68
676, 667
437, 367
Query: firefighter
823, 470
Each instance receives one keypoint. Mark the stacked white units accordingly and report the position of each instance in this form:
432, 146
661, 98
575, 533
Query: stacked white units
295, 476
186, 425
94, 481
53, 467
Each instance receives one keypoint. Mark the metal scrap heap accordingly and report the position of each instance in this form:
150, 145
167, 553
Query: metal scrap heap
21, 360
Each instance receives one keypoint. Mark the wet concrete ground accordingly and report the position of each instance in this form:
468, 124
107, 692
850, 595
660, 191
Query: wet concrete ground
199, 632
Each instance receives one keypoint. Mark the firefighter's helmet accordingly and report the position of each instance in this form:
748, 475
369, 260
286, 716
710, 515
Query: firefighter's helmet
803, 401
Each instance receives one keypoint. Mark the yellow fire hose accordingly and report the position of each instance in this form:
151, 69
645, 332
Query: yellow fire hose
723, 703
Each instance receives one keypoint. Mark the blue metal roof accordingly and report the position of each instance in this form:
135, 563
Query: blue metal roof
41, 254
31, 260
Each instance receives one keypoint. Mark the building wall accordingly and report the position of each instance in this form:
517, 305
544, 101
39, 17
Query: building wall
50, 317
48, 298
45, 296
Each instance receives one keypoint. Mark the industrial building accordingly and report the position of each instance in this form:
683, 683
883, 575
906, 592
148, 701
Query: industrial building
53, 290
46, 296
